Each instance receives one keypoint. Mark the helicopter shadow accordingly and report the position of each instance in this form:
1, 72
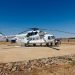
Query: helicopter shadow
55, 48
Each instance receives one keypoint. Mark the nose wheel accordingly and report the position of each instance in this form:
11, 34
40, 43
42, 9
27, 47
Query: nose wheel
34, 44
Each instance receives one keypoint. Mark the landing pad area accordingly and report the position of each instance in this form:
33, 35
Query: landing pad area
10, 53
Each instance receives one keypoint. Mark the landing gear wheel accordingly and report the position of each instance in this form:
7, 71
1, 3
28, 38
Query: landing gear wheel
26, 45
41, 44
47, 44
51, 44
34, 44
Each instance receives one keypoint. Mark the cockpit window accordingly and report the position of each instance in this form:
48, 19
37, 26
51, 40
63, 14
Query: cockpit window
31, 34
35, 33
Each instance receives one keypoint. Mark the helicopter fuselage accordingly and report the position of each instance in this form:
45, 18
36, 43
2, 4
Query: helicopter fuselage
35, 38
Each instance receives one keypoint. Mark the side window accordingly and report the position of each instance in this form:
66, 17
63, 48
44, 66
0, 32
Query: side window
49, 37
33, 39
29, 38
37, 38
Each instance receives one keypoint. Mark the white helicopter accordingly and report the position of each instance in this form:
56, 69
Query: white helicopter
35, 37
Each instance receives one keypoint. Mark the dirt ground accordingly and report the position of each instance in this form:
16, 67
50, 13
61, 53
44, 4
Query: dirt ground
12, 53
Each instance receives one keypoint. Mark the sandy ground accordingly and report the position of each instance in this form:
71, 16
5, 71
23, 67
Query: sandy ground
17, 53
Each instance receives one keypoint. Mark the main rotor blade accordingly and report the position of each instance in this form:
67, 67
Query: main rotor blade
61, 31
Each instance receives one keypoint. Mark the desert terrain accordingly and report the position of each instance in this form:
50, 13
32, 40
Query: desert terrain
19, 60
13, 53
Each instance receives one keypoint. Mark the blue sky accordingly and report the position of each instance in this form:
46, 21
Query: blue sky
18, 15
